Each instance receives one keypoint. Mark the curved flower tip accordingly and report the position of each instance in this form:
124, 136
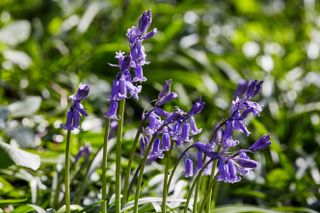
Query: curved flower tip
253, 88
82, 92
197, 107
145, 21
165, 94
84, 151
241, 88
261, 143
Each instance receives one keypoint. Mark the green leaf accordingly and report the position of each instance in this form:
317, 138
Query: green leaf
6, 187
23, 209
294, 209
12, 201
25, 107
29, 208
12, 155
15, 33
146, 200
73, 207
242, 208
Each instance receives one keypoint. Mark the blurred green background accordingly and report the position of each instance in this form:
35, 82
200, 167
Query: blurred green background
48, 47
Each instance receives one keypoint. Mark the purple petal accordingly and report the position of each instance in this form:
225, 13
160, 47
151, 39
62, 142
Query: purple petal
166, 141
199, 160
138, 74
68, 125
189, 168
261, 143
197, 107
193, 126
145, 21
113, 109
82, 92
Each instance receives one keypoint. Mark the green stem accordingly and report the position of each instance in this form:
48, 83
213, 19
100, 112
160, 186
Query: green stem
210, 187
210, 192
128, 171
104, 167
135, 176
213, 170
203, 186
193, 185
118, 156
215, 193
176, 165
195, 199
81, 188
67, 172
165, 185
143, 164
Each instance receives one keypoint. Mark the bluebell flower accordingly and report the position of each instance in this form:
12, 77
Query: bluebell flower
124, 63
83, 152
241, 88
232, 166
113, 110
156, 151
155, 122
136, 35
199, 160
122, 87
246, 164
193, 126
76, 110
240, 109
177, 126
227, 139
189, 167
165, 94
197, 107
166, 141
261, 143
253, 89
160, 112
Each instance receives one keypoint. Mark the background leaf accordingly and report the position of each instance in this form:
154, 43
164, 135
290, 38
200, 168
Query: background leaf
12, 155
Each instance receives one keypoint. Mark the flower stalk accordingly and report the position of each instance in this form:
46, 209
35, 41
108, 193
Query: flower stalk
67, 172
166, 176
129, 167
104, 167
118, 155
195, 182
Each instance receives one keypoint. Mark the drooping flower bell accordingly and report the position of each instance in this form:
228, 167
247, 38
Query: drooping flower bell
261, 143
83, 152
76, 110
189, 167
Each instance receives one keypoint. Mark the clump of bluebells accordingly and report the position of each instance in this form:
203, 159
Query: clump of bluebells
76, 110
161, 131
232, 165
177, 126
126, 85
